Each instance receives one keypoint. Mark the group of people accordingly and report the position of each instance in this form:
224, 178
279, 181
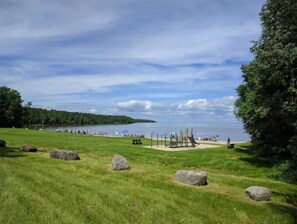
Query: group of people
75, 132
135, 135
100, 133
211, 138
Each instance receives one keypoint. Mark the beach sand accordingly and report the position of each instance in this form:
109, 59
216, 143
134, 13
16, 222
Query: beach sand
220, 142
202, 145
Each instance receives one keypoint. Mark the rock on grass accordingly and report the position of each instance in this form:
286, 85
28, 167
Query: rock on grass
28, 148
258, 193
120, 163
2, 143
65, 155
191, 177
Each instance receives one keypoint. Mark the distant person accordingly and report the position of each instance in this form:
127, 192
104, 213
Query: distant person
228, 142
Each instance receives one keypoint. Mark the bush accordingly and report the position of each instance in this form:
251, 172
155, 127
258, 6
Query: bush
285, 171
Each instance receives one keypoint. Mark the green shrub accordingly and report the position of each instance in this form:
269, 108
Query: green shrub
285, 171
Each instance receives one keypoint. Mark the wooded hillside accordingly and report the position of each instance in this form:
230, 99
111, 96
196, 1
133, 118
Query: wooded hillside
53, 117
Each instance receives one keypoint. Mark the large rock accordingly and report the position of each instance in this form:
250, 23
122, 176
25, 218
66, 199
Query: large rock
120, 163
258, 193
2, 143
28, 148
65, 155
191, 177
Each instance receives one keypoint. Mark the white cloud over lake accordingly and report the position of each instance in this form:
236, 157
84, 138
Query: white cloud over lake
194, 108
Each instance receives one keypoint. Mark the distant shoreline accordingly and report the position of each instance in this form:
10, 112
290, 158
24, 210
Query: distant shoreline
159, 129
81, 125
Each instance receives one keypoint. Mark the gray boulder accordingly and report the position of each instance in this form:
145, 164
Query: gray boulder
65, 155
2, 143
120, 163
28, 148
191, 177
258, 193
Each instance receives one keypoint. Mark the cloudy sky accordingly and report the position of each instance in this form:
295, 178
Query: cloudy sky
155, 59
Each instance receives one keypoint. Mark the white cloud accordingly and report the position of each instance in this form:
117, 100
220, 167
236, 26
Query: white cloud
135, 105
165, 32
93, 111
48, 84
47, 19
198, 107
200, 104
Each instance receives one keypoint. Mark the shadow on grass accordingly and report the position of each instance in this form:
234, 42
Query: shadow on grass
290, 198
249, 150
10, 152
285, 209
256, 161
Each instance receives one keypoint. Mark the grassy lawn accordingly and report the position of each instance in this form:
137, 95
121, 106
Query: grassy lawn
37, 189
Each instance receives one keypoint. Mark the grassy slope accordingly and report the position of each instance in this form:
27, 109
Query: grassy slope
37, 189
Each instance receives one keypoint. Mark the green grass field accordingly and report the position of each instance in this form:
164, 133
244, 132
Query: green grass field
37, 189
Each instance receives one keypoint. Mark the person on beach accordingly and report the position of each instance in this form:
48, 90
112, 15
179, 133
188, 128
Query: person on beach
228, 142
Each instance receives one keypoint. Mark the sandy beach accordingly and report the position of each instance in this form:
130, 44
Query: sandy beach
202, 145
219, 142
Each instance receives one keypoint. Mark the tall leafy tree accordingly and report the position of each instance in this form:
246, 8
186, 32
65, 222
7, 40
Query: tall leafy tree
267, 102
11, 113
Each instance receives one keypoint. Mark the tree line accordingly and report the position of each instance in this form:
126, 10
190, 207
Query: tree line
54, 117
14, 114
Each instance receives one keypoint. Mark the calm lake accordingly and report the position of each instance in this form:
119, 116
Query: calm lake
222, 130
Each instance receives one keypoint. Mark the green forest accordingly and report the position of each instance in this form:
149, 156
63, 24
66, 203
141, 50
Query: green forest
14, 114
38, 116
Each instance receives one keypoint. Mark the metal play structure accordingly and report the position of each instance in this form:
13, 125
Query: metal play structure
174, 139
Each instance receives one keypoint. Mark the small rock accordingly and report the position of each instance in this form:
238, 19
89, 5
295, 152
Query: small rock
65, 155
191, 177
134, 205
120, 163
2, 143
258, 193
28, 148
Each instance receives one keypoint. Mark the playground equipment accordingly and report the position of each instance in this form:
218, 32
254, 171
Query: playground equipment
192, 140
174, 139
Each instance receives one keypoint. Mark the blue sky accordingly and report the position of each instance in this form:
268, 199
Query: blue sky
156, 59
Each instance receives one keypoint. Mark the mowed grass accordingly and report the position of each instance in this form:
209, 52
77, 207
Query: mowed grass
37, 189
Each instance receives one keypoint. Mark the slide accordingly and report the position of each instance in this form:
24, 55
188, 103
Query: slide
193, 142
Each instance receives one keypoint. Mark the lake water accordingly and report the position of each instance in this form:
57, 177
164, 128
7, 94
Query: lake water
223, 130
